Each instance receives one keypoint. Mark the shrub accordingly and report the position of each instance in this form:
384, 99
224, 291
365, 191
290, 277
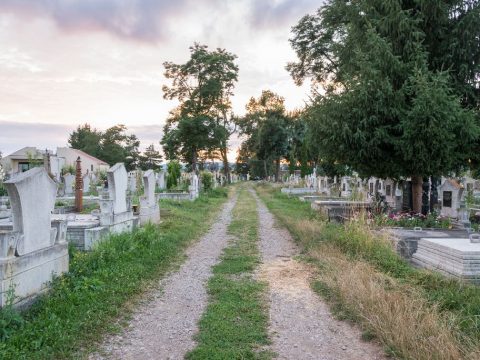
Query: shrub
173, 174
207, 180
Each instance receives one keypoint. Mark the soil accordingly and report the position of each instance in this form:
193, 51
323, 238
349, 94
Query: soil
301, 325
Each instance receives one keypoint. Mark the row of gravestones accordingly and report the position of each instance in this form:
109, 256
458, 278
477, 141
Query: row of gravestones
68, 181
135, 176
35, 248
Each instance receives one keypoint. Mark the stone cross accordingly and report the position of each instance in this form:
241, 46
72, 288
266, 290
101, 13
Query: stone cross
32, 197
117, 187
149, 181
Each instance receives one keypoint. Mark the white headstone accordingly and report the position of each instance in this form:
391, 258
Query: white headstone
69, 181
149, 181
161, 180
86, 183
32, 197
132, 182
117, 187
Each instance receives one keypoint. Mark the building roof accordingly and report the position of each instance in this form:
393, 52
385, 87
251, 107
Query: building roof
453, 183
84, 154
24, 152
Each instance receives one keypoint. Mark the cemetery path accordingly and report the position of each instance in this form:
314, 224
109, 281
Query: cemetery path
301, 325
163, 327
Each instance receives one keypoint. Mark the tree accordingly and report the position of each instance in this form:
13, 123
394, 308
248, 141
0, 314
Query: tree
118, 146
112, 146
86, 139
388, 109
265, 129
150, 159
173, 174
202, 121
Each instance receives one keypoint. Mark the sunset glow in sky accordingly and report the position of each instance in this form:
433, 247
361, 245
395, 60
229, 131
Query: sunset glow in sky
68, 62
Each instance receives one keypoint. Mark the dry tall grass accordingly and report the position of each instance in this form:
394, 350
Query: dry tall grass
397, 314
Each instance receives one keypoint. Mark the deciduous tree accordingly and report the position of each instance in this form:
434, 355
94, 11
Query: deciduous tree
202, 122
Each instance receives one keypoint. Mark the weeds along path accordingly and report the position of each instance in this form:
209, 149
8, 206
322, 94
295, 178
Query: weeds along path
301, 325
163, 327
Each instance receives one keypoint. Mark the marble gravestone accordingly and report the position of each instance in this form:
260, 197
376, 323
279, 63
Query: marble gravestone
455, 257
33, 251
117, 187
194, 187
161, 180
114, 211
69, 181
132, 182
86, 183
149, 209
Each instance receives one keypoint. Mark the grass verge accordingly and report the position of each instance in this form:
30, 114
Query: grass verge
101, 285
415, 314
234, 325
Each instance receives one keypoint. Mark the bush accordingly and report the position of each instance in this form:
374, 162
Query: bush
207, 180
173, 174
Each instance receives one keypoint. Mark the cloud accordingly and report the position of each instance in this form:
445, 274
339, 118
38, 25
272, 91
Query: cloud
134, 19
14, 59
16, 135
277, 13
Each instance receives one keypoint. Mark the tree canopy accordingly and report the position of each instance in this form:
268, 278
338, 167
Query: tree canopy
390, 106
265, 129
203, 86
112, 145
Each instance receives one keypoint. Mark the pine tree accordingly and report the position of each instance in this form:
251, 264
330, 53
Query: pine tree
390, 109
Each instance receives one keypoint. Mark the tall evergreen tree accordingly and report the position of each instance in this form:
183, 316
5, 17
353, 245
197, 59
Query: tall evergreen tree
389, 108
150, 159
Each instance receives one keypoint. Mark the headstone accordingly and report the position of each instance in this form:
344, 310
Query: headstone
149, 209
161, 180
194, 187
86, 183
69, 181
117, 187
149, 181
35, 249
32, 198
132, 182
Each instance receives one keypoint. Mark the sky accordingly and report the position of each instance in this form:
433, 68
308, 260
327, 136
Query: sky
68, 62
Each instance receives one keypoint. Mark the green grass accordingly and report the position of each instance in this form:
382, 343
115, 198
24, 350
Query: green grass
453, 297
234, 325
102, 285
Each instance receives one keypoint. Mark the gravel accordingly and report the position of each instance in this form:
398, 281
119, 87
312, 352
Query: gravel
163, 327
301, 325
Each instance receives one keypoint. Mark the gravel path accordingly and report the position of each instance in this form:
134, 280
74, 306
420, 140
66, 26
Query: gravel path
163, 327
301, 325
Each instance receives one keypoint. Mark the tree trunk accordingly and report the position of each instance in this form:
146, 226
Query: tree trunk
194, 161
226, 167
277, 170
417, 192
265, 168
